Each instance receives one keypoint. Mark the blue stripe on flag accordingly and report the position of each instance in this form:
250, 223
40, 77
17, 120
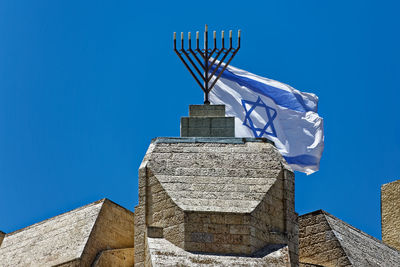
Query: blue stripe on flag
281, 97
302, 160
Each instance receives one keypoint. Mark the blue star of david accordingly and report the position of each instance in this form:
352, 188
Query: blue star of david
248, 122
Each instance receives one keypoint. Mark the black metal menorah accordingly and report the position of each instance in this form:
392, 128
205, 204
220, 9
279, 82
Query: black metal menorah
201, 63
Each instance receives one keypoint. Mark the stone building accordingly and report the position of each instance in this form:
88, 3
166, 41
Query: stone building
97, 233
207, 199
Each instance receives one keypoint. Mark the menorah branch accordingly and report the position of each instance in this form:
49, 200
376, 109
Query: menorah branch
201, 62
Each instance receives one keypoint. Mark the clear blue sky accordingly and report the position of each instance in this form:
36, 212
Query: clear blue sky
86, 85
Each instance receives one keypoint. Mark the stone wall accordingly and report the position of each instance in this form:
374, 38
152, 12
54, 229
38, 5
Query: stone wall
274, 221
52, 242
140, 235
216, 232
113, 230
162, 212
141, 211
390, 212
328, 241
318, 243
224, 196
115, 257
155, 209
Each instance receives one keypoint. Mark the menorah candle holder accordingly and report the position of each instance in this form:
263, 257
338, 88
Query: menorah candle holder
205, 64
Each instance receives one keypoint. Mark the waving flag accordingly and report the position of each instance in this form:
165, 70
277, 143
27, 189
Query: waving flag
266, 108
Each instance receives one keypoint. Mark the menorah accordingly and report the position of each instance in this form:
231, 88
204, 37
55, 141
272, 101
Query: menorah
201, 63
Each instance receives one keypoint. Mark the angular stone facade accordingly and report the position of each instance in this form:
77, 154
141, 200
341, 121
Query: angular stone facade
215, 195
390, 212
123, 257
318, 243
189, 229
74, 238
327, 241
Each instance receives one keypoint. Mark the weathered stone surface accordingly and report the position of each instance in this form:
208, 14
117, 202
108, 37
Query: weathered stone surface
155, 232
114, 229
2, 235
326, 240
207, 127
226, 196
390, 208
216, 177
115, 257
73, 263
164, 253
207, 110
70, 239
51, 242
309, 265
207, 121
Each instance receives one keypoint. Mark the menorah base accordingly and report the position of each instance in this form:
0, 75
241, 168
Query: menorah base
207, 121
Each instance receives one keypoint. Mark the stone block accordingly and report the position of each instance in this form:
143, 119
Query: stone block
207, 121
198, 132
194, 246
217, 218
216, 228
115, 257
207, 127
234, 239
223, 132
202, 237
207, 110
155, 232
199, 122
234, 219
194, 227
239, 229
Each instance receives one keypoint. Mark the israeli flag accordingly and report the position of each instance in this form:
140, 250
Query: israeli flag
266, 108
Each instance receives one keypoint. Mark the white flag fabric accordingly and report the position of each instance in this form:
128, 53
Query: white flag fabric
266, 108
